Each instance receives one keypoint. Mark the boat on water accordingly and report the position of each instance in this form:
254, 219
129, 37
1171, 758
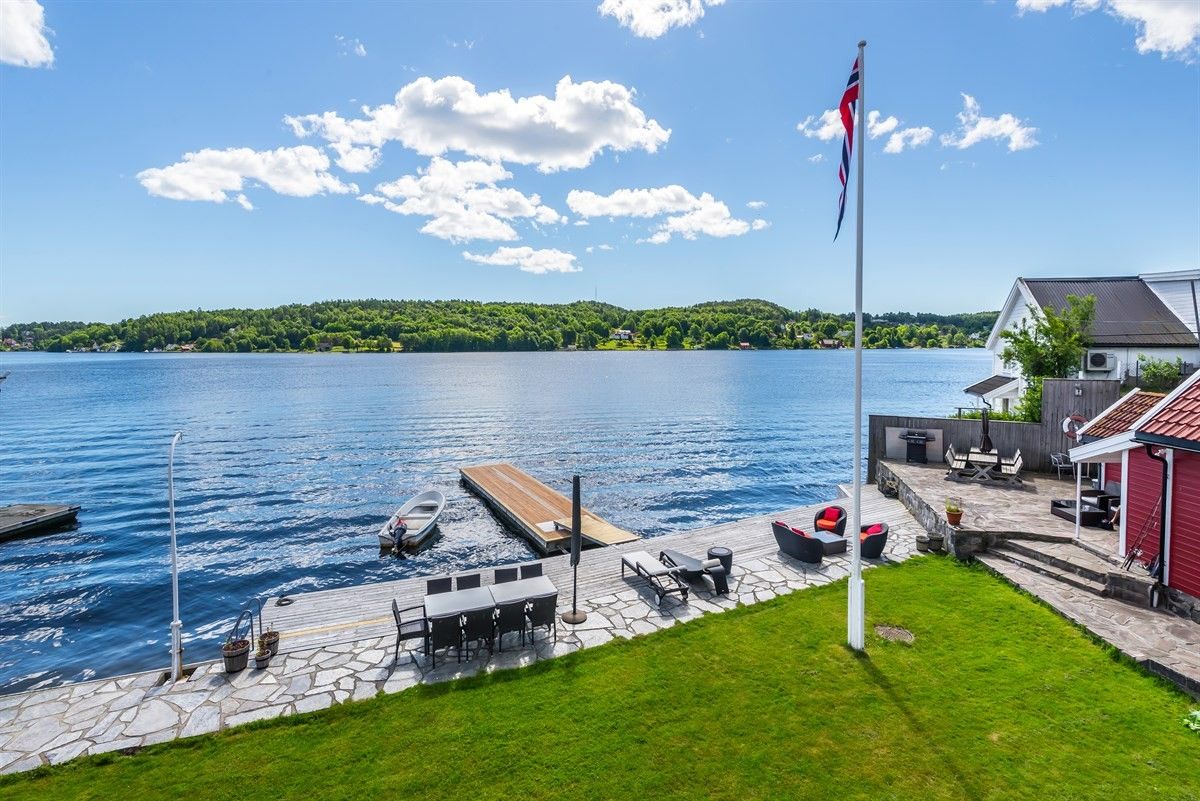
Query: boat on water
419, 515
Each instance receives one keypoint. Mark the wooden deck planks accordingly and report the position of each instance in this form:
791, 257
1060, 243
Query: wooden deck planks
25, 519
339, 615
533, 509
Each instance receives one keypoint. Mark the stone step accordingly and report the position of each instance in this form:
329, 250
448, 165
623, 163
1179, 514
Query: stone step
1067, 557
1021, 560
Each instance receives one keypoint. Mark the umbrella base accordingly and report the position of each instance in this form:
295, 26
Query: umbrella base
574, 617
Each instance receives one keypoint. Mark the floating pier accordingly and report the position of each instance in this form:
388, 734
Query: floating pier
542, 515
24, 519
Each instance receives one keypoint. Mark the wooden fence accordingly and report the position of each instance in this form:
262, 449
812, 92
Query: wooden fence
1035, 440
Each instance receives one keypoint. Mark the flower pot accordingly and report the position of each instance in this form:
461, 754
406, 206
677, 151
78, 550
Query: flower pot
935, 541
262, 660
954, 518
236, 655
922, 542
271, 640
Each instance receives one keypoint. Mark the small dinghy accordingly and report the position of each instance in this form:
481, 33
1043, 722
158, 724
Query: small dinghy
419, 515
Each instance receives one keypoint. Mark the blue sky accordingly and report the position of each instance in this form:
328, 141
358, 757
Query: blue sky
1078, 154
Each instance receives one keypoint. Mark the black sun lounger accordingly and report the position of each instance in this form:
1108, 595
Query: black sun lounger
663, 579
691, 566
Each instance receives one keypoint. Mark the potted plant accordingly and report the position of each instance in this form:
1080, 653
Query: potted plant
262, 657
271, 638
954, 511
236, 654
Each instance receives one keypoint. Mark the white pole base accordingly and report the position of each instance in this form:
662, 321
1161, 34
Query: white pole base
856, 622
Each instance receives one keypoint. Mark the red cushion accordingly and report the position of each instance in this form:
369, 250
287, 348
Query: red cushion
826, 525
799, 532
875, 529
781, 523
832, 513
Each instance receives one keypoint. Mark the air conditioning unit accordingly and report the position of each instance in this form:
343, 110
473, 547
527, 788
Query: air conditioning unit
1101, 362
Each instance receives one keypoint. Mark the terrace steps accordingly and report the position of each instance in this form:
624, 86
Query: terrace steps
1050, 569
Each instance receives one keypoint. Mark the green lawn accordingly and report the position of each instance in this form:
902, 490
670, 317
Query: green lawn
997, 698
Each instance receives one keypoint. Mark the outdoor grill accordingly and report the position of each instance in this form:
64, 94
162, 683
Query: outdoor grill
915, 452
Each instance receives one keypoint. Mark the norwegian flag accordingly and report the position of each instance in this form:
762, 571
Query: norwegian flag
846, 107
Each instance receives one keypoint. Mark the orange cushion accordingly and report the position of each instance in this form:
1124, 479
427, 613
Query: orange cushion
826, 525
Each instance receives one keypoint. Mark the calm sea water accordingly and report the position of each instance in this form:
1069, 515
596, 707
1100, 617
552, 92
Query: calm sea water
290, 463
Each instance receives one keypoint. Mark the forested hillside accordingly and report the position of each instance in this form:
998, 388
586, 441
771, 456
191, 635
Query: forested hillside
456, 325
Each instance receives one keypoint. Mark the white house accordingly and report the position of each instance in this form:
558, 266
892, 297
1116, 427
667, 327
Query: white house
1153, 315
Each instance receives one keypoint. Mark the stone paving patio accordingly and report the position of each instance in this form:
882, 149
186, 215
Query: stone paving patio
54, 725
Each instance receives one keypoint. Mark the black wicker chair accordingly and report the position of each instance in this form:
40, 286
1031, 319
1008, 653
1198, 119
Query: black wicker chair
505, 574
531, 571
543, 612
872, 539
444, 632
479, 626
510, 617
831, 519
438, 585
408, 628
798, 545
468, 582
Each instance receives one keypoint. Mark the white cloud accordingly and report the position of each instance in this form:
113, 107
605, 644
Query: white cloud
213, 174
1168, 27
606, 247
758, 225
650, 19
462, 201
23, 34
1038, 5
435, 116
351, 46
826, 127
908, 138
582, 222
877, 128
686, 215
974, 128
756, 204
528, 260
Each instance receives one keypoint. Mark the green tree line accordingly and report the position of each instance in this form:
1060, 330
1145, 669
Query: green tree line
459, 325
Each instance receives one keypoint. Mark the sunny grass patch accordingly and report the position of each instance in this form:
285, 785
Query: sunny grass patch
997, 697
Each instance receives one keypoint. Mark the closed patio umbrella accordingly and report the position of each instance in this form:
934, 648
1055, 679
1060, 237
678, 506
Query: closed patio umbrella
985, 441
575, 617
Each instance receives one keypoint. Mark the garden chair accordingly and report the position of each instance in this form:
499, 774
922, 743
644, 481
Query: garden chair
531, 571
831, 519
872, 539
438, 585
662, 579
468, 582
543, 613
798, 544
410, 628
505, 575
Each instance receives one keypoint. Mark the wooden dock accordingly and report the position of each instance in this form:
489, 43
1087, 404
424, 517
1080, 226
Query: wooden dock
542, 515
25, 519
326, 617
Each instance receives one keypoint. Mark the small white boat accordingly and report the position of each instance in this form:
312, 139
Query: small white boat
419, 515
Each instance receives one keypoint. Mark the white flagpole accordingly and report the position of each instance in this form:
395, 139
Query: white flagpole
856, 608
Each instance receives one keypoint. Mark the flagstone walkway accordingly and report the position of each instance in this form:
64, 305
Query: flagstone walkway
57, 724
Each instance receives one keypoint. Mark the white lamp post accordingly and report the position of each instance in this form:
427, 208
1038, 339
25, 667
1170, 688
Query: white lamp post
176, 623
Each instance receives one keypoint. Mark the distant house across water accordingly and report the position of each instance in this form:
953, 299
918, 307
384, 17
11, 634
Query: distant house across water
1148, 316
621, 335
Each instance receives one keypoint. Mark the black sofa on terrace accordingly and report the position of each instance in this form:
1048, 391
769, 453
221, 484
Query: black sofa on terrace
798, 544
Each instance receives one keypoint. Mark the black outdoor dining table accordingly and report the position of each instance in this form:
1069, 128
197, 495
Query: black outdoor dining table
460, 602
525, 589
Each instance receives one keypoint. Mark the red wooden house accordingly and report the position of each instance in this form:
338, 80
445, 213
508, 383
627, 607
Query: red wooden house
1149, 445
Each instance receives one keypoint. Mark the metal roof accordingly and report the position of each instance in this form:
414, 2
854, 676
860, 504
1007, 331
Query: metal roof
1128, 313
989, 385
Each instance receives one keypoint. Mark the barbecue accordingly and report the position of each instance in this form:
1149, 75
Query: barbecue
915, 452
